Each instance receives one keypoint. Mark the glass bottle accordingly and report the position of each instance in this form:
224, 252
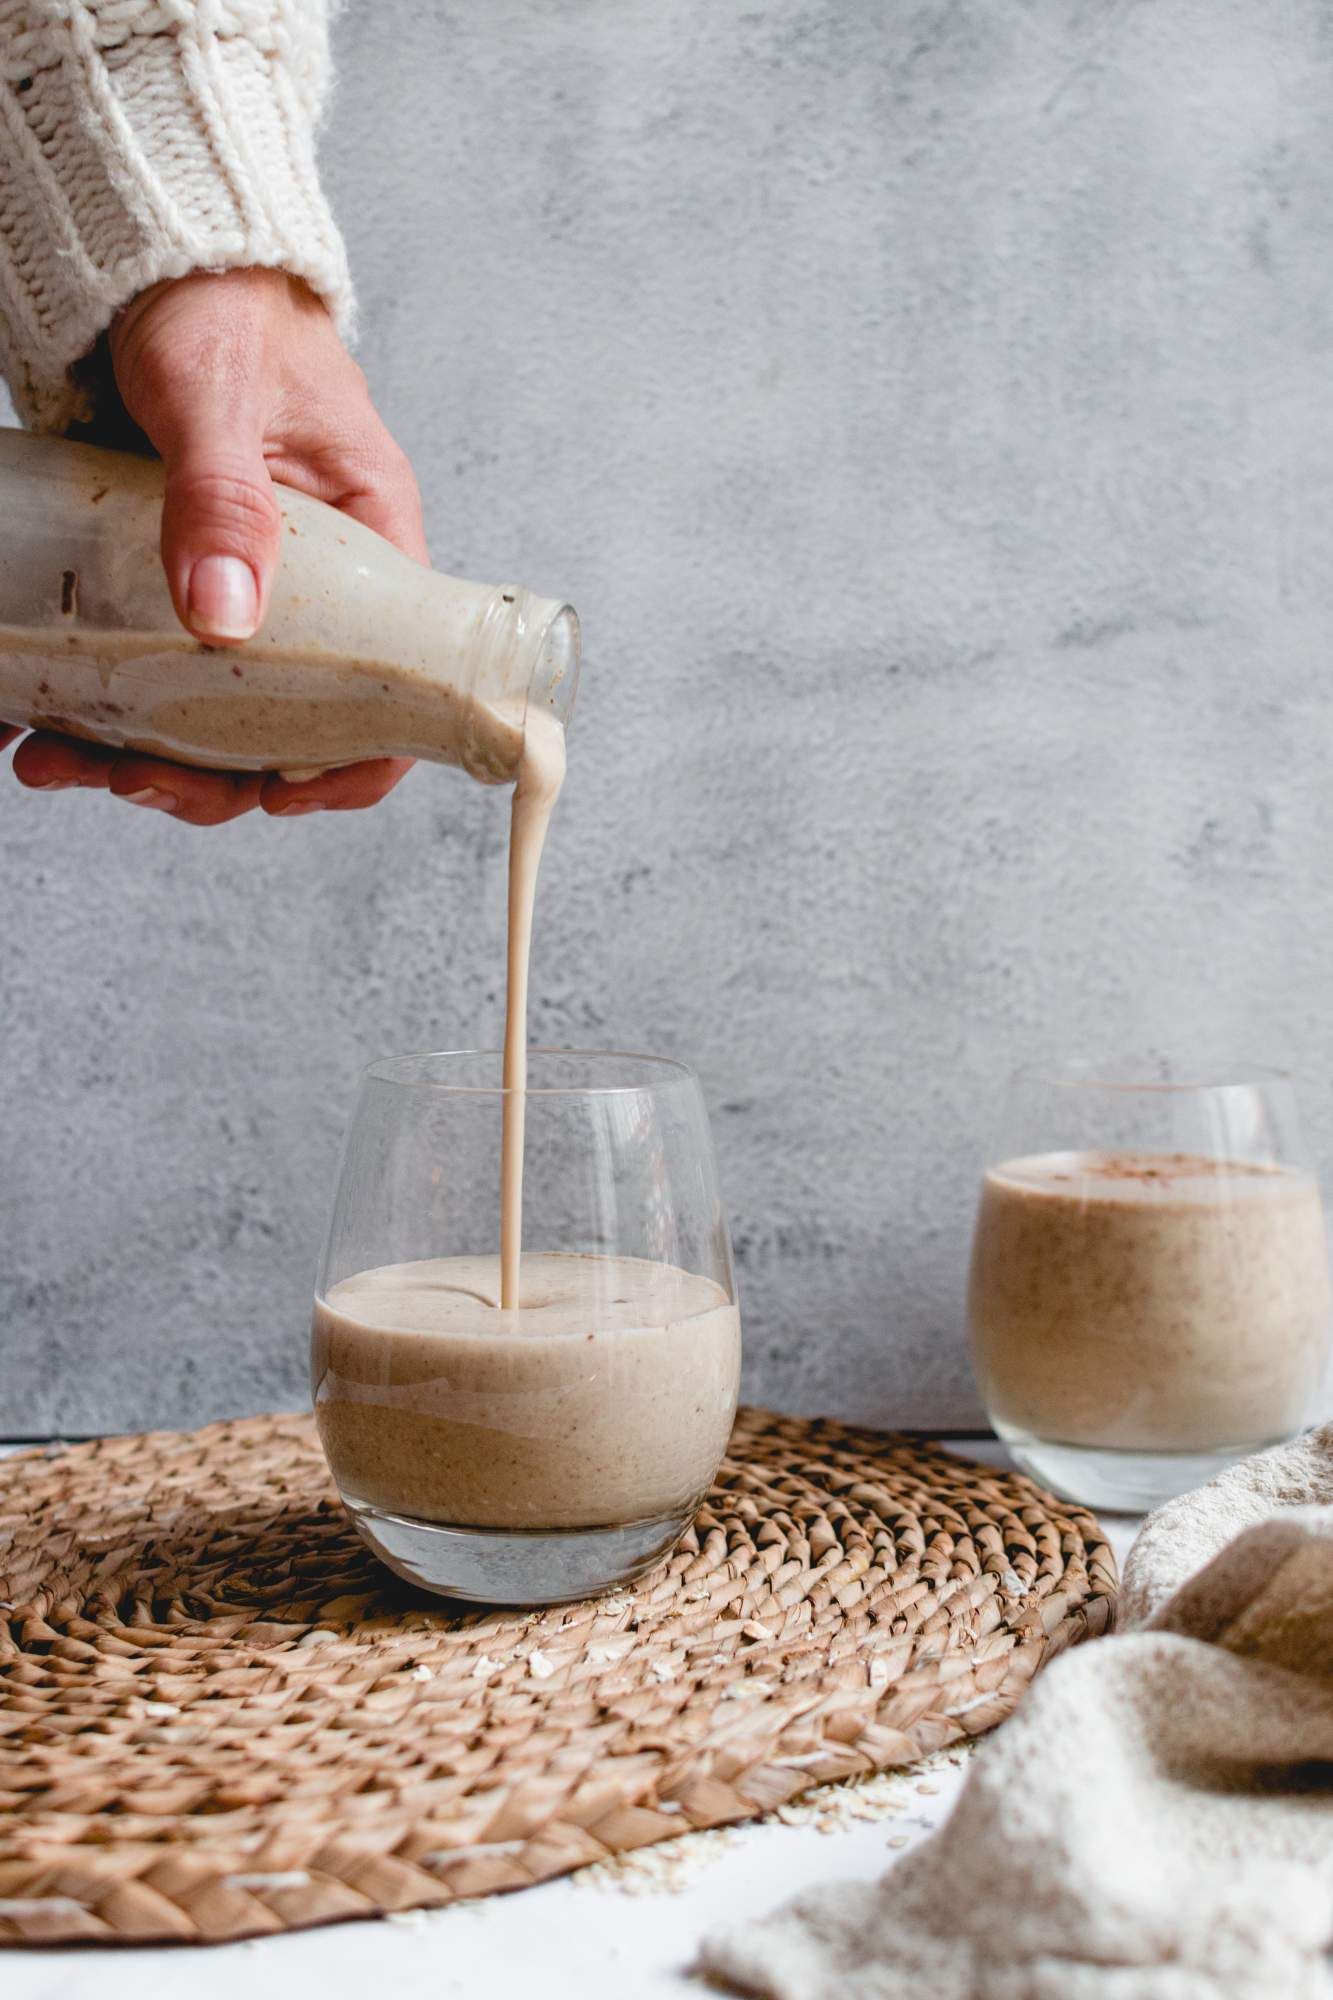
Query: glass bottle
363, 652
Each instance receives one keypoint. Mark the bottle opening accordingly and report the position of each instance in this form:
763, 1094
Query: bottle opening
555, 677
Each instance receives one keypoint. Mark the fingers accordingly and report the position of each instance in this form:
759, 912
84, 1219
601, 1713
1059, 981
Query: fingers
200, 798
388, 501
49, 763
354, 786
221, 530
239, 379
195, 370
45, 762
367, 477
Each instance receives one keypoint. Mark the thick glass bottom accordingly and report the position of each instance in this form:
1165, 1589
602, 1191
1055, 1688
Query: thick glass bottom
1115, 1481
514, 1566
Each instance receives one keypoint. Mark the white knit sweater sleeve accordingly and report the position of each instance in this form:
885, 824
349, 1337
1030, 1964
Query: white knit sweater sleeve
144, 139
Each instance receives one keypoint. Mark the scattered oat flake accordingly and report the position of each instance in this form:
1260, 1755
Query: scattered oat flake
977, 1701
540, 1665
286, 1878
668, 1867
483, 1668
444, 1857
663, 1670
421, 1673
44, 1906
320, 1636
609, 1649
665, 1869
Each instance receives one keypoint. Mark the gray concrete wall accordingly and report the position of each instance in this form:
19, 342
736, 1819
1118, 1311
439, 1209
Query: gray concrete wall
929, 409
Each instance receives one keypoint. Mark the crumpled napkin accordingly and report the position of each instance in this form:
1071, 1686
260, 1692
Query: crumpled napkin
1156, 1820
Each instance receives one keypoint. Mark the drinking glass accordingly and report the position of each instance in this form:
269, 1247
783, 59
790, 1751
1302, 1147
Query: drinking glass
1149, 1293
537, 1454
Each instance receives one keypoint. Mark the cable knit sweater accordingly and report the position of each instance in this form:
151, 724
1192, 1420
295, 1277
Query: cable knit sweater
144, 139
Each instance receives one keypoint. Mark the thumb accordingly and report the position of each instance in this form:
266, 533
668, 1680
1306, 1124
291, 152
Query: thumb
221, 529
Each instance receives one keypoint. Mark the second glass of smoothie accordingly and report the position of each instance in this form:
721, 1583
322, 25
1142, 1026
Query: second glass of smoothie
539, 1453
1149, 1293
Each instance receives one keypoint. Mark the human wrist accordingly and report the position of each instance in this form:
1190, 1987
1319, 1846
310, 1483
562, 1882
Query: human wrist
242, 193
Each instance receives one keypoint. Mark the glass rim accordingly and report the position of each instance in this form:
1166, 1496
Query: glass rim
1094, 1073
665, 1073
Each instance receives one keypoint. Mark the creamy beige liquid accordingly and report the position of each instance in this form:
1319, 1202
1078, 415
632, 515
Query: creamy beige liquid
607, 1397
1149, 1301
297, 711
541, 773
540, 1391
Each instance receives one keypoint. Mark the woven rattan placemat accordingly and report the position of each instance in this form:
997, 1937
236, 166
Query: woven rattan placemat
220, 1717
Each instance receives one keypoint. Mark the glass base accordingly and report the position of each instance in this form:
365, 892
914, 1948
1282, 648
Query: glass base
1119, 1482
514, 1565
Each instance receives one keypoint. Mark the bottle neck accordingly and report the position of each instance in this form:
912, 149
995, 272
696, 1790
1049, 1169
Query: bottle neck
528, 657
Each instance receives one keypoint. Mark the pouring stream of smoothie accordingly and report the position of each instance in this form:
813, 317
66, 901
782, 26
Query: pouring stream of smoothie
541, 772
561, 1391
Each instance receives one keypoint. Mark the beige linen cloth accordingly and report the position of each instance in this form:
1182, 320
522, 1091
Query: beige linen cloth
1156, 1820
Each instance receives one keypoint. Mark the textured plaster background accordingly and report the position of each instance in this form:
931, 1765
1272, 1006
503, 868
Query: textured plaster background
928, 407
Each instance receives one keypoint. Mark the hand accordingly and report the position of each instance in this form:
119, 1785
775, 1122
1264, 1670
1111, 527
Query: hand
239, 379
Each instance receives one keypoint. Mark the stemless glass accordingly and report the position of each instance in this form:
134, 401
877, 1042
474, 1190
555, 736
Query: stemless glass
1149, 1294
539, 1454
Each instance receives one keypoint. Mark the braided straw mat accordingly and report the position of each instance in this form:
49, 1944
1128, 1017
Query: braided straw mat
220, 1717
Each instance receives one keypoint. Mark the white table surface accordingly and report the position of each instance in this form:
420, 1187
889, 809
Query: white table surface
631, 1933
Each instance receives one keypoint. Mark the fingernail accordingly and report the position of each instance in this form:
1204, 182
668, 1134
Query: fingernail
298, 807
54, 785
150, 796
224, 597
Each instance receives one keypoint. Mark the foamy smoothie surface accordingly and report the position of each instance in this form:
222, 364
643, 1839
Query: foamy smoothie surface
1156, 1179
1150, 1301
606, 1396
